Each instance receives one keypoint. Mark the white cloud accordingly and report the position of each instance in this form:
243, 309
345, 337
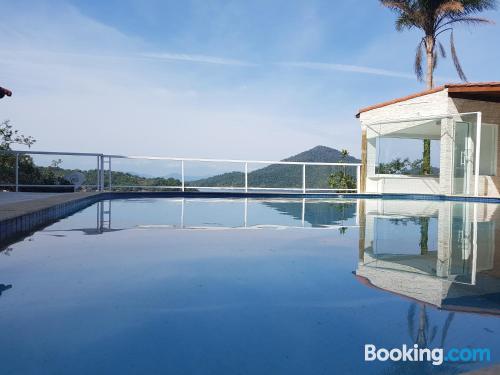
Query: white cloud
347, 68
197, 59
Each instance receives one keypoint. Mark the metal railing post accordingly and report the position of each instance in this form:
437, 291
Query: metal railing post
246, 177
101, 188
304, 178
358, 179
182, 174
17, 172
98, 173
109, 175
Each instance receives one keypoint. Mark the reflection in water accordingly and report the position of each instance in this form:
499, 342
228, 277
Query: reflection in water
4, 287
226, 214
444, 257
318, 214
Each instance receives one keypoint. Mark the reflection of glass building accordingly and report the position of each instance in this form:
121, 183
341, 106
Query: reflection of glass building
445, 256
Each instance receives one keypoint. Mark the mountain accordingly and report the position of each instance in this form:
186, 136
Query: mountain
286, 176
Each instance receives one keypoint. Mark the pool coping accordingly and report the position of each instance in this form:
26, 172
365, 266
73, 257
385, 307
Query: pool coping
20, 219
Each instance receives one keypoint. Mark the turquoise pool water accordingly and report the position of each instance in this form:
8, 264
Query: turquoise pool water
243, 286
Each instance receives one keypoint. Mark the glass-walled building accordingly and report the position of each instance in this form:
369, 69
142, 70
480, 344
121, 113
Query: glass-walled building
460, 124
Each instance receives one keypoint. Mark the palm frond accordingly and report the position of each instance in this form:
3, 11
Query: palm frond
456, 61
476, 6
446, 327
418, 61
442, 50
467, 21
433, 334
407, 16
398, 5
411, 321
449, 7
405, 21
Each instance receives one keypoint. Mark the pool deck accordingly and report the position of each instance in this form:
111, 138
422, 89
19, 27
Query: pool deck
23, 213
13, 205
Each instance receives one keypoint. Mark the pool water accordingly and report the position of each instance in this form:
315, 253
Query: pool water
241, 286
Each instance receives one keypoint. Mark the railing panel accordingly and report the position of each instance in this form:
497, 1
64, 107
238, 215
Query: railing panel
44, 172
210, 175
132, 174
48, 171
274, 176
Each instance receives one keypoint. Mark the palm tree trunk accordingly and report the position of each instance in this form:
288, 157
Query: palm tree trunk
429, 47
422, 328
424, 235
426, 156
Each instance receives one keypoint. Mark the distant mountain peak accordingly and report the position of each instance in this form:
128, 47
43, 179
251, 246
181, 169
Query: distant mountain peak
322, 154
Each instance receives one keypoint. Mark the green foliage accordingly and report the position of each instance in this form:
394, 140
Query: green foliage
9, 136
406, 167
340, 179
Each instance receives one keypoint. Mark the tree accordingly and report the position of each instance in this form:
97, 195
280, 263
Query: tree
340, 179
434, 18
396, 166
9, 136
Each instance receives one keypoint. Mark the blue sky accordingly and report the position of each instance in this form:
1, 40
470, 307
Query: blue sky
226, 79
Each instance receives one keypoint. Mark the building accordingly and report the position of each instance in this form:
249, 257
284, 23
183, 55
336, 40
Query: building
461, 120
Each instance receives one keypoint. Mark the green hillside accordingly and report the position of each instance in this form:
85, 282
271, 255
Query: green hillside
279, 176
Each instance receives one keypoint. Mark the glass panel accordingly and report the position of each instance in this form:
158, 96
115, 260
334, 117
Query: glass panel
488, 153
463, 156
461, 243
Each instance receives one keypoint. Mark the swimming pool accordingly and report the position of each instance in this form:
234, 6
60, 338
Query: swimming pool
251, 286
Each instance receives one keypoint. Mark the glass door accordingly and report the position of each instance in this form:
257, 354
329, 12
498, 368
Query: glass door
463, 158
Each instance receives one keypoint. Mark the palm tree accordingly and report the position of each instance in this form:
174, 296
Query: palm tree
434, 18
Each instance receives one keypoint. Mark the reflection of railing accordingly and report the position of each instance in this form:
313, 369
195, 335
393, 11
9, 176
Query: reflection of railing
104, 209
102, 160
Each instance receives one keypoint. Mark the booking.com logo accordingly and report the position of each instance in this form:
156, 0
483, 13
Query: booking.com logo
435, 355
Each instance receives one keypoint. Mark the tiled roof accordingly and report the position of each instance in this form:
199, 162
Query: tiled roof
477, 87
